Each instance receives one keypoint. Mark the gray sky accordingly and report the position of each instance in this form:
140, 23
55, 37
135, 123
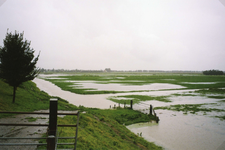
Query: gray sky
120, 34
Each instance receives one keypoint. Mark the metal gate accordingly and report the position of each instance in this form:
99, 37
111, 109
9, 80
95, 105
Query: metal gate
52, 138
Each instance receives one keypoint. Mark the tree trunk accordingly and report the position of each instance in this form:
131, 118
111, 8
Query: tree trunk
14, 94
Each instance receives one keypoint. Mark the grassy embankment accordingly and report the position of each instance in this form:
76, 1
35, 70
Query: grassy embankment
99, 129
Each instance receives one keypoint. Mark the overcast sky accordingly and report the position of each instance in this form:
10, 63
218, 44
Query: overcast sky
120, 34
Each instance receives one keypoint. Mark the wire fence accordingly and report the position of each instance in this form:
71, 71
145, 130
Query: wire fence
141, 106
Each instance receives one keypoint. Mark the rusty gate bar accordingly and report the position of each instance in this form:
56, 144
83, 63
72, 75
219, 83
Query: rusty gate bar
60, 125
22, 144
11, 124
33, 138
38, 113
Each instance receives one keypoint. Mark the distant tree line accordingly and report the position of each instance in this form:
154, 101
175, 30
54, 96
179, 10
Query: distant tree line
213, 72
43, 70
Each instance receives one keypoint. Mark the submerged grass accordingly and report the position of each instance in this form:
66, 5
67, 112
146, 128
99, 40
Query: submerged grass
213, 90
69, 86
217, 97
137, 98
191, 108
221, 117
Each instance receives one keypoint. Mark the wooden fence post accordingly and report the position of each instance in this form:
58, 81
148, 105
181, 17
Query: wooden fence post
131, 104
150, 110
52, 127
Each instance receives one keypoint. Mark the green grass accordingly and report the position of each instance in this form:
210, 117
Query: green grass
69, 86
140, 79
31, 119
28, 98
183, 94
137, 98
221, 117
191, 108
213, 90
122, 116
97, 130
217, 97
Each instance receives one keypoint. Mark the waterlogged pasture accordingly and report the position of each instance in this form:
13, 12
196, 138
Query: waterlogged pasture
115, 83
191, 108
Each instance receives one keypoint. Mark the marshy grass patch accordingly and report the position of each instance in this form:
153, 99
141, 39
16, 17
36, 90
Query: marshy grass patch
217, 97
31, 119
191, 108
125, 99
221, 117
137, 79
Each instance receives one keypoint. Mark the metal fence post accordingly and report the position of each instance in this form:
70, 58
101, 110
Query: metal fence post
52, 128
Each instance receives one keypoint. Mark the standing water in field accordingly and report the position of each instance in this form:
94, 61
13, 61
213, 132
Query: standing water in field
175, 130
95, 101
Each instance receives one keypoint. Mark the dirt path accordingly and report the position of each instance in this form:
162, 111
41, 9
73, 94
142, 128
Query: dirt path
23, 131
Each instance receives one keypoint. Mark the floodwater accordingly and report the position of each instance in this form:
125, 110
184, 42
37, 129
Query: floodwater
119, 87
95, 101
175, 131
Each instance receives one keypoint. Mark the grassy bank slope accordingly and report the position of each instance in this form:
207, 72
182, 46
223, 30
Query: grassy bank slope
99, 129
28, 98
102, 132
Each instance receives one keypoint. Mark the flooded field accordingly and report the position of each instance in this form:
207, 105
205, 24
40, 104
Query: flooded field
177, 131
188, 119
